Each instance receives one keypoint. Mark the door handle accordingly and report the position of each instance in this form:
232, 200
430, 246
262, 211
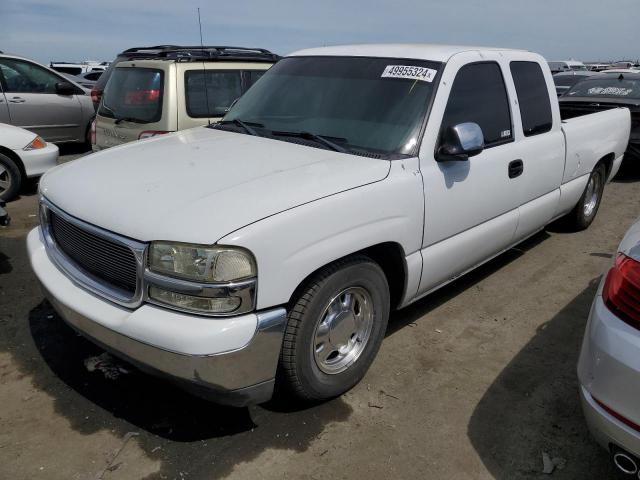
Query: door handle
516, 167
17, 100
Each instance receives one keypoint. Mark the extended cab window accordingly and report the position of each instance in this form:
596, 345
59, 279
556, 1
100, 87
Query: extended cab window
217, 87
533, 97
134, 95
479, 95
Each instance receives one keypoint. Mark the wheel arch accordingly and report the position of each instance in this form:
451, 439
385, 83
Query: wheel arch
16, 158
390, 256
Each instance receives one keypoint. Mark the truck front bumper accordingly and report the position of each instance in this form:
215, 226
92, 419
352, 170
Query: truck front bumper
228, 360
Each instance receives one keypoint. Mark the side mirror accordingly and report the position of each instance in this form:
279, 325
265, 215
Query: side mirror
460, 142
66, 88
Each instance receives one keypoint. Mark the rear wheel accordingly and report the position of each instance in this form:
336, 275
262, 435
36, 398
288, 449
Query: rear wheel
10, 178
334, 330
585, 211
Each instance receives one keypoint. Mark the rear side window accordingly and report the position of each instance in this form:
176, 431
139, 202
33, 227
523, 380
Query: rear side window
533, 97
479, 95
254, 75
134, 94
217, 87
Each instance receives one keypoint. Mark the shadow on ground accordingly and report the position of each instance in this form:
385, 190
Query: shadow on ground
533, 406
194, 436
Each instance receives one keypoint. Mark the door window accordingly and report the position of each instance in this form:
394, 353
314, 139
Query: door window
479, 95
25, 77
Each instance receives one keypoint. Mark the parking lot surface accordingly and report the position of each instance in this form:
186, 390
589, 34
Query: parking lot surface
474, 382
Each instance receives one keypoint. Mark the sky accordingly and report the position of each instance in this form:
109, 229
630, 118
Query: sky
71, 30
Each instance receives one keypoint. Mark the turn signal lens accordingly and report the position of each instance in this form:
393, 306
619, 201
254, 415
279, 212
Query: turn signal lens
621, 292
36, 144
196, 304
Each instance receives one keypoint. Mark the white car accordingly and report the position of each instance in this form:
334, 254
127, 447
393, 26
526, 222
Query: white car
23, 154
347, 182
609, 366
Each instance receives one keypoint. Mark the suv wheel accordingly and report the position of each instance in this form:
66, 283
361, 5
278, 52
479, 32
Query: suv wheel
335, 328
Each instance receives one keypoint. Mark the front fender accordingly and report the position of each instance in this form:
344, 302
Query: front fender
291, 245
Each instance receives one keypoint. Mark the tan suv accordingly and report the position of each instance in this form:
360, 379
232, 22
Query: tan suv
178, 89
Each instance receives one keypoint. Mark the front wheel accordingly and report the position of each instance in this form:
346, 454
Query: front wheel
585, 211
334, 330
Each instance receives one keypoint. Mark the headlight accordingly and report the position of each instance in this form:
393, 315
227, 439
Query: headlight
200, 263
36, 144
213, 280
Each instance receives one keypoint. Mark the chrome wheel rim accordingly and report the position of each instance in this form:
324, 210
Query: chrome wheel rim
343, 331
591, 195
5, 179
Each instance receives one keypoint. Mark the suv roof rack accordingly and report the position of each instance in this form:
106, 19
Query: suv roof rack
207, 52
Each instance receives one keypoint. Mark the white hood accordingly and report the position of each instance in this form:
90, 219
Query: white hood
199, 185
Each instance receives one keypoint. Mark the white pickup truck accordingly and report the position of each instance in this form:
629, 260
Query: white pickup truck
348, 181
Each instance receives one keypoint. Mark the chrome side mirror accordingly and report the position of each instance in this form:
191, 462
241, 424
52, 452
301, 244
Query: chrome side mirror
460, 142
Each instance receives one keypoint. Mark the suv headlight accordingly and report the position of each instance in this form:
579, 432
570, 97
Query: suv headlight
214, 280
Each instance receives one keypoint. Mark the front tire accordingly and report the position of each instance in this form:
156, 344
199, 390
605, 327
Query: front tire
10, 178
335, 328
586, 209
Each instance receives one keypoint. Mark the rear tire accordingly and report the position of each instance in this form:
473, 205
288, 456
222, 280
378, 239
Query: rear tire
10, 178
335, 328
586, 209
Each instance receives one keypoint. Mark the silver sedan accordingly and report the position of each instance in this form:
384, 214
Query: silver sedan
41, 100
609, 365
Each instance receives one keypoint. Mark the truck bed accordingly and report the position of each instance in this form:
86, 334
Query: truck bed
591, 136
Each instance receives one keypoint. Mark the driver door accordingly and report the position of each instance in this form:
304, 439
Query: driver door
471, 206
30, 92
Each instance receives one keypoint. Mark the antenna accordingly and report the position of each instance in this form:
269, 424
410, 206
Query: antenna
204, 71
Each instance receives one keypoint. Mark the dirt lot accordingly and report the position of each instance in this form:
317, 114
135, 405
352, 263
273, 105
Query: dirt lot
474, 382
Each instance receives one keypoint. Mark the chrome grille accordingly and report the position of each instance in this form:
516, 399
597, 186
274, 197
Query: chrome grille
109, 261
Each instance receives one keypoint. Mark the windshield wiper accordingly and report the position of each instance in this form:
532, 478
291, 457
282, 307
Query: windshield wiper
316, 138
127, 119
246, 125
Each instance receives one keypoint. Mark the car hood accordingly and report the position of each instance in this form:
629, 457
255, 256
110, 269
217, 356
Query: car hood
201, 184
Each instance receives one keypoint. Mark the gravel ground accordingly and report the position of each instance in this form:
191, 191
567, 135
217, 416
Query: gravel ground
474, 382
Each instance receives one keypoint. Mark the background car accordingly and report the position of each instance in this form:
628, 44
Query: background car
179, 89
566, 65
43, 101
565, 80
23, 154
608, 368
79, 68
134, 53
87, 84
603, 92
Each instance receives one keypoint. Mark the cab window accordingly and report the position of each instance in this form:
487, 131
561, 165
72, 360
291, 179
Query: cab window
533, 97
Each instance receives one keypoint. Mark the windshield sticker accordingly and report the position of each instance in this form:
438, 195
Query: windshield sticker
409, 72
621, 92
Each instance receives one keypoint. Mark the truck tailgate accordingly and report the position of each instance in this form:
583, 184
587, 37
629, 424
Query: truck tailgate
589, 138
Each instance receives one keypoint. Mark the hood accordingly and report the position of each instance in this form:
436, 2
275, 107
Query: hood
201, 184
15, 138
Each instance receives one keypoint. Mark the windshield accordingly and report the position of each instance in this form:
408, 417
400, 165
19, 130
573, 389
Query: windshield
372, 104
133, 94
607, 87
